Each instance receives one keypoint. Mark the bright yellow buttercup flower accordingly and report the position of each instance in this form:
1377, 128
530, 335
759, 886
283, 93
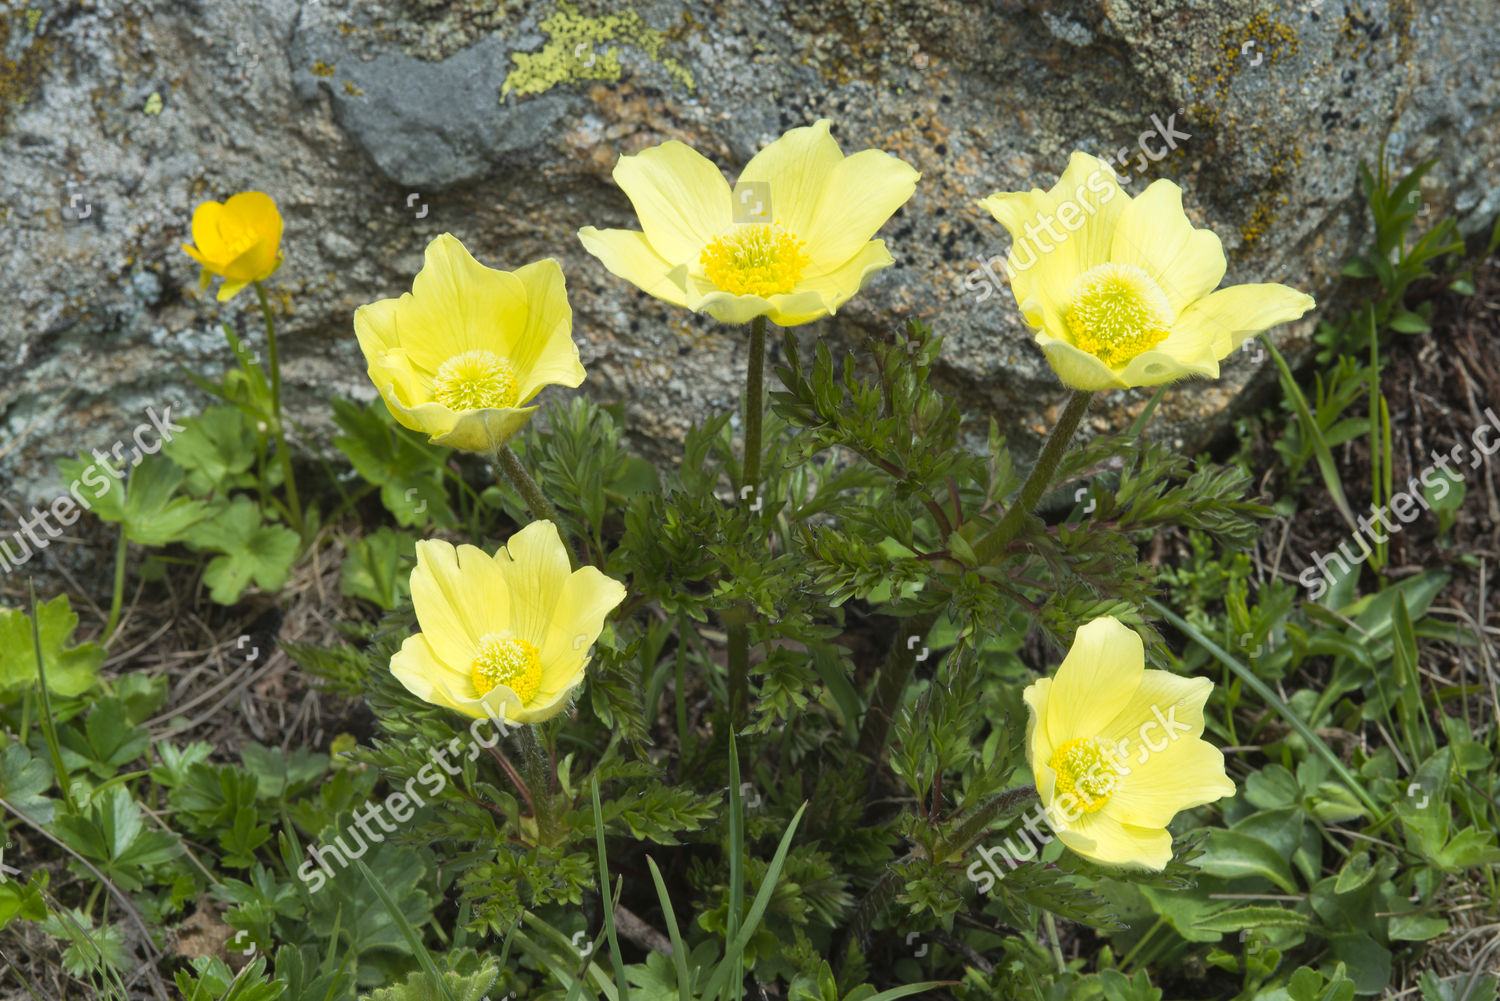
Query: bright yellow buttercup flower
460, 355
239, 240
1121, 289
505, 637
792, 241
1117, 750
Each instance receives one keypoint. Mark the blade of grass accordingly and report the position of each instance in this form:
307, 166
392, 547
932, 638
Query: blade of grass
49, 729
1414, 722
408, 932
909, 990
550, 960
1314, 742
609, 906
1321, 452
1376, 451
679, 953
1139, 424
735, 949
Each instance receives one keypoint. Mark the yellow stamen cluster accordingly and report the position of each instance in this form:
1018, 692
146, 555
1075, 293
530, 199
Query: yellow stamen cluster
761, 260
1089, 769
235, 239
506, 659
475, 380
1116, 312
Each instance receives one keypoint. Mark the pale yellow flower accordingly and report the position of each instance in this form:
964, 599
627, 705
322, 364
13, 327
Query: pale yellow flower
1117, 750
239, 240
792, 241
1121, 289
505, 636
460, 355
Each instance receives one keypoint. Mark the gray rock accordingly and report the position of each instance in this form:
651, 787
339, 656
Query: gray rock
344, 111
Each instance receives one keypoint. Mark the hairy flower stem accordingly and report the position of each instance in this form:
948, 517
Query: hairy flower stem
949, 852
532, 494
1040, 478
537, 766
975, 827
294, 506
902, 656
739, 632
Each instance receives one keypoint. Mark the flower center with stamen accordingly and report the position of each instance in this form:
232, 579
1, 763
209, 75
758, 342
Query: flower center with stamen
506, 659
1116, 311
761, 260
1088, 768
235, 239
475, 380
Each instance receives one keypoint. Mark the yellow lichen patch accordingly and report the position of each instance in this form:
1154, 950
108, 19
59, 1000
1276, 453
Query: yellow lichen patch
352, 90
19, 76
320, 68
580, 49
1264, 211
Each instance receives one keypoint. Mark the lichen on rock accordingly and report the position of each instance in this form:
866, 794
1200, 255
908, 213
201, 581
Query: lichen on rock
573, 55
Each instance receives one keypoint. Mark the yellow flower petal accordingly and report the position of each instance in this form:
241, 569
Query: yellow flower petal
1173, 359
457, 356
796, 170
586, 599
1078, 369
1154, 233
375, 327
419, 668
1096, 680
838, 286
238, 239
535, 563
1052, 244
1103, 838
1160, 694
1039, 746
545, 354
629, 255
467, 602
477, 430
457, 304
803, 253
451, 622
833, 202
1185, 774
680, 197
1227, 318
863, 191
